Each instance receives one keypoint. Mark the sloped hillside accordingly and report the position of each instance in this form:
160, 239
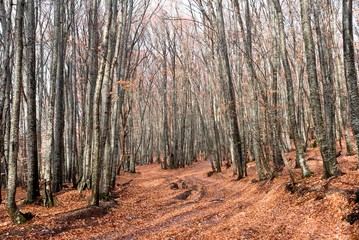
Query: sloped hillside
187, 204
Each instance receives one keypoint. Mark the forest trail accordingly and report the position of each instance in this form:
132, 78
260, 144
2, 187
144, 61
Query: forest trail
202, 207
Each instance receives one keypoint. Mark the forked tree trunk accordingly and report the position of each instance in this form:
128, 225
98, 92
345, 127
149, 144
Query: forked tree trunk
330, 167
235, 134
96, 162
93, 69
298, 139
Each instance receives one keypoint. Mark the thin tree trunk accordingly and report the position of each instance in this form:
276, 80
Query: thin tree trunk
164, 108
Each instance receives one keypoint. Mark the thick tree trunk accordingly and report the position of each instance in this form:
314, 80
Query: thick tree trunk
5, 78
112, 56
276, 129
49, 136
31, 138
59, 154
93, 69
235, 134
325, 46
350, 71
96, 163
11, 207
329, 158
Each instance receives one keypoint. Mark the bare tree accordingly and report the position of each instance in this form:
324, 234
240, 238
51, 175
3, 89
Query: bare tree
326, 145
33, 190
298, 139
235, 134
96, 162
5, 79
16, 216
349, 67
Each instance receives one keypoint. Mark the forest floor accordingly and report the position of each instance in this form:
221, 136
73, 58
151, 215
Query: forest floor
203, 207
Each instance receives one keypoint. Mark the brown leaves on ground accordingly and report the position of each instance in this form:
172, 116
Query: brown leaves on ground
209, 208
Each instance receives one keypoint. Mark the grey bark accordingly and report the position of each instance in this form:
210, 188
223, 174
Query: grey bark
11, 207
59, 154
96, 157
298, 139
93, 69
276, 128
31, 138
50, 131
349, 67
330, 167
5, 79
164, 107
114, 42
235, 134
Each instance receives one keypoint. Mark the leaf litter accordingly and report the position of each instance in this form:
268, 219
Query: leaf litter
215, 207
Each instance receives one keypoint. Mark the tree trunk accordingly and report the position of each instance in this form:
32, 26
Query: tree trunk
31, 138
114, 41
5, 79
350, 71
165, 107
59, 102
96, 163
329, 159
93, 69
11, 207
298, 139
235, 134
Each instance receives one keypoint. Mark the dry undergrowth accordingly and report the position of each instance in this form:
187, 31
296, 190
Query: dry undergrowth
187, 204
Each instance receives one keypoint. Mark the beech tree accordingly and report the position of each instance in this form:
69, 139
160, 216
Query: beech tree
96, 152
32, 157
298, 139
326, 144
349, 67
59, 154
235, 134
16, 216
89, 89
5, 78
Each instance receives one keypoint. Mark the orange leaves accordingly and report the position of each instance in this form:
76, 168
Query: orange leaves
126, 85
217, 207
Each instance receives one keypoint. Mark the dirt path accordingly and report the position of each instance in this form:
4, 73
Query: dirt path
202, 207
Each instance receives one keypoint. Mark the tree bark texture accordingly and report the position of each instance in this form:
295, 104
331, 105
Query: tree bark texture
329, 158
11, 207
31, 145
349, 67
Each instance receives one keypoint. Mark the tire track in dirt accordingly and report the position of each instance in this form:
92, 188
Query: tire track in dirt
202, 209
215, 207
